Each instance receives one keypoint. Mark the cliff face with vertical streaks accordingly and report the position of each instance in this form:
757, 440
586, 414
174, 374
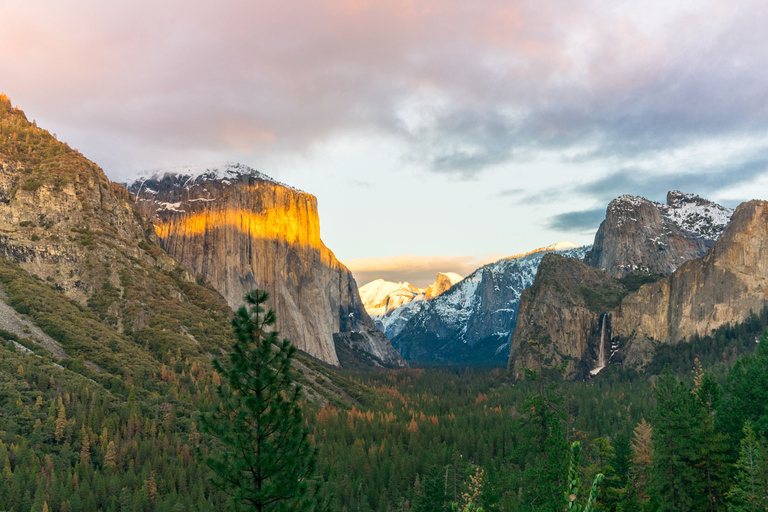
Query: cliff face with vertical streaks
241, 230
641, 235
572, 310
721, 287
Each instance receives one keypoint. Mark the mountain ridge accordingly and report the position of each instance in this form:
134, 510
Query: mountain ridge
473, 320
239, 230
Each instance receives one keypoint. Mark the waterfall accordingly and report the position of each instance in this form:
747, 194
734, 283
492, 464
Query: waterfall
601, 359
601, 351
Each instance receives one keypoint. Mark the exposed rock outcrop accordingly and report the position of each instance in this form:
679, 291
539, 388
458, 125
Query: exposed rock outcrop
641, 235
572, 309
442, 284
473, 320
558, 320
722, 287
63, 221
241, 230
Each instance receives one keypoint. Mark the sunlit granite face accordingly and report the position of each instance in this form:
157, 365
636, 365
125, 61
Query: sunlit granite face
241, 230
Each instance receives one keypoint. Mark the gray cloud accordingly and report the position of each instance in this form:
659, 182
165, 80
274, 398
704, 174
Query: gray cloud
464, 87
636, 181
511, 192
703, 181
580, 221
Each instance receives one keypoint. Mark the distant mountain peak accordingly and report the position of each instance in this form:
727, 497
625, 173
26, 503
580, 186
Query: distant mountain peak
442, 284
696, 215
188, 175
642, 235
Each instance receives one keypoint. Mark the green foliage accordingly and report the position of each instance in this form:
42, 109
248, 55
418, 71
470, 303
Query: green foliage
747, 393
749, 491
574, 484
688, 470
634, 280
266, 460
724, 345
602, 298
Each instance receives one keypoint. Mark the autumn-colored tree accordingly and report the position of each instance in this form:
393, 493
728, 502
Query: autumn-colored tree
61, 423
642, 457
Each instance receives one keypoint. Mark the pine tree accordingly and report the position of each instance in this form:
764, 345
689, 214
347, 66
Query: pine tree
266, 460
749, 492
544, 447
677, 480
431, 492
714, 445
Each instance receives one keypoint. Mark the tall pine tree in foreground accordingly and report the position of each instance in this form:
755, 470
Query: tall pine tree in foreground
749, 492
265, 461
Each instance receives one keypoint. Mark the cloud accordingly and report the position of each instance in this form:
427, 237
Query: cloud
704, 181
463, 86
417, 270
511, 192
585, 220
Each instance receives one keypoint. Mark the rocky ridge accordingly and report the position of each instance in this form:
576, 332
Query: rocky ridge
63, 222
391, 305
571, 321
722, 287
641, 235
560, 315
239, 229
473, 320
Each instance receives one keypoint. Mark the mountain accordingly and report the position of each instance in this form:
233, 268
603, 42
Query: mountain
641, 235
63, 222
559, 317
391, 305
238, 229
596, 320
473, 320
723, 287
442, 284
379, 297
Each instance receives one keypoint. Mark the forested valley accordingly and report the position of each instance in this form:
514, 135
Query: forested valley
421, 439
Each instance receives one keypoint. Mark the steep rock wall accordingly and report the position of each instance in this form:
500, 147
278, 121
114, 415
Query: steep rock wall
241, 230
556, 323
722, 287
636, 236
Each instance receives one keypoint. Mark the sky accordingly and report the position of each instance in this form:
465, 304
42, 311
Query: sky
437, 135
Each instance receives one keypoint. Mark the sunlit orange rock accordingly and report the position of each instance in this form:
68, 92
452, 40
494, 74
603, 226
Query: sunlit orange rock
241, 230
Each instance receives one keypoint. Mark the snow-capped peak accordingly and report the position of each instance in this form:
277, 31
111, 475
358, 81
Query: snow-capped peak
696, 215
187, 175
381, 296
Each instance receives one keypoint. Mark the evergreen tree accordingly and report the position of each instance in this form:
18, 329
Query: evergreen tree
677, 482
266, 460
750, 489
544, 447
431, 492
714, 444
747, 394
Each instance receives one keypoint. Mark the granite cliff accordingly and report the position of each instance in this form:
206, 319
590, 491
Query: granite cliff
473, 320
559, 320
723, 286
239, 229
574, 314
391, 305
641, 235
